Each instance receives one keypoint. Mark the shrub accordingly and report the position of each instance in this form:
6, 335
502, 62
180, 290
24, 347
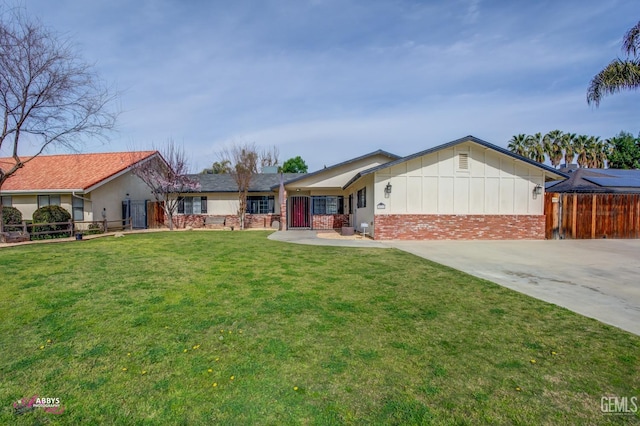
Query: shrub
94, 228
11, 216
51, 214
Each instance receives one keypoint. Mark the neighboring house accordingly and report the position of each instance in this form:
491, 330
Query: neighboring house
87, 185
594, 203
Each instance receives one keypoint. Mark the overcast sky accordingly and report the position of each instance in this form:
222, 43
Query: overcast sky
330, 80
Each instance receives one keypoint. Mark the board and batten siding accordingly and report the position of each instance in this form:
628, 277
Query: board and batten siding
491, 184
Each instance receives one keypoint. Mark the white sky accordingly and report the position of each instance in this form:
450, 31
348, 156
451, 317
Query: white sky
334, 79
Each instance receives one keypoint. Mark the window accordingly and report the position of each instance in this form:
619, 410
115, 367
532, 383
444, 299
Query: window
362, 198
48, 200
192, 205
261, 204
328, 204
78, 208
7, 201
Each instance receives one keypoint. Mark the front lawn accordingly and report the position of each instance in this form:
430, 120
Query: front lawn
232, 328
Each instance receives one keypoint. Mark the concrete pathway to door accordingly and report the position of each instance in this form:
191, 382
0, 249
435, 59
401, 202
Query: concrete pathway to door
596, 278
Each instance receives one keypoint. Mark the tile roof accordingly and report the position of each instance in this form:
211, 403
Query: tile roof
261, 182
70, 171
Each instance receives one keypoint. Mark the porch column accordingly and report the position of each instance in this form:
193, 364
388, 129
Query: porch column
282, 197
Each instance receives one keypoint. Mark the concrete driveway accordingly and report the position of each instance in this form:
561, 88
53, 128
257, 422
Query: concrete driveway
596, 278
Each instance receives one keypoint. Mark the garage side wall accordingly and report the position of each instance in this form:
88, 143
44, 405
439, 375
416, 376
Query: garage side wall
459, 227
462, 192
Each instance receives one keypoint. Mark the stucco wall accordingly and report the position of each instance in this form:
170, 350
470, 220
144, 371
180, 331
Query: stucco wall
339, 176
110, 196
227, 203
435, 184
27, 204
364, 214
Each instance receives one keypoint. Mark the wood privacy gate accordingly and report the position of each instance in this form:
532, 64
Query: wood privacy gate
586, 216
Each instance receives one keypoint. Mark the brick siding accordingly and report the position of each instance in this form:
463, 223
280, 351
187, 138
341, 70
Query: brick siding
459, 227
255, 221
329, 221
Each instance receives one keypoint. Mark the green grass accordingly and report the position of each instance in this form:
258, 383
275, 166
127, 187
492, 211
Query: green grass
311, 335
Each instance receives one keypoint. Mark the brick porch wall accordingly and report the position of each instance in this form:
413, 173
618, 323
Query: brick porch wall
255, 221
329, 221
459, 227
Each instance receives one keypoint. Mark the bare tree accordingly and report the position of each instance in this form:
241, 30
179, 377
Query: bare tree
269, 157
244, 160
48, 95
167, 177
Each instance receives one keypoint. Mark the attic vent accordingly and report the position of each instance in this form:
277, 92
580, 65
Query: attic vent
463, 161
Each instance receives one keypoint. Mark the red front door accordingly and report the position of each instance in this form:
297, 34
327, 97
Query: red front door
299, 209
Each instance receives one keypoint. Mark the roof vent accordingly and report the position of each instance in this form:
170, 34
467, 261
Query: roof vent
463, 161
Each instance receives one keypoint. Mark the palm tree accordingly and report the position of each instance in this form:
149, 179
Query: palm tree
535, 148
581, 149
601, 153
552, 143
221, 167
620, 74
518, 144
568, 145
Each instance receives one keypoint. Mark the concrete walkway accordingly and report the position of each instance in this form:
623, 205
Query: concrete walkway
596, 278
311, 238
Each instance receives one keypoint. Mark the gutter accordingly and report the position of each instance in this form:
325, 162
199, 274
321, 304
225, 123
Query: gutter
73, 194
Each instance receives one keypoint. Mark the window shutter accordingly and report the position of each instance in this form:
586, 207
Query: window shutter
181, 205
203, 208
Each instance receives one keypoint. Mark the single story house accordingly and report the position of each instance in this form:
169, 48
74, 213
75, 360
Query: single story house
594, 203
463, 189
92, 187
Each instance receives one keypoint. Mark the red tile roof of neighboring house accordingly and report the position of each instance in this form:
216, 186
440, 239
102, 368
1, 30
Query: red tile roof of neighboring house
71, 171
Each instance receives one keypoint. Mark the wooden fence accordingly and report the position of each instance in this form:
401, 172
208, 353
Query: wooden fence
155, 215
586, 216
70, 227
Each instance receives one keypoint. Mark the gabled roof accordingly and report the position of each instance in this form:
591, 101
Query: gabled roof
344, 163
449, 145
599, 181
261, 182
69, 172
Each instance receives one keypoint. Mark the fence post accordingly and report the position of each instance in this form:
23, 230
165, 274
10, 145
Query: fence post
594, 212
24, 226
70, 227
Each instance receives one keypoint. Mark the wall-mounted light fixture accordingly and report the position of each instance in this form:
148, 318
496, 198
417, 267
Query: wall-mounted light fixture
387, 189
537, 190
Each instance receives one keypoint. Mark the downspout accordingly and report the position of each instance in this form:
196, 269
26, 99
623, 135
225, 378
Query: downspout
73, 194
